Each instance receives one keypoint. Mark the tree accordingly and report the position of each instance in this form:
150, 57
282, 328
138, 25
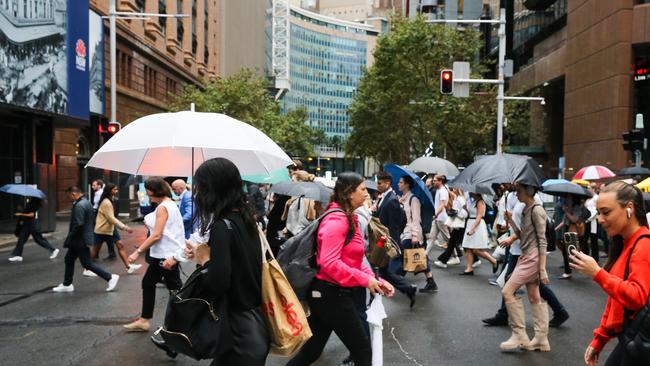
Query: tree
245, 96
398, 109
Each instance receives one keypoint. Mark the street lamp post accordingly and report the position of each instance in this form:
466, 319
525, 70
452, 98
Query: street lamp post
113, 14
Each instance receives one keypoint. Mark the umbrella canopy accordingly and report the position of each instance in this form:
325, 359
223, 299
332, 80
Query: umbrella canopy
23, 190
634, 171
280, 175
419, 190
594, 172
175, 144
563, 189
313, 190
432, 164
499, 168
371, 184
644, 185
327, 182
553, 181
581, 182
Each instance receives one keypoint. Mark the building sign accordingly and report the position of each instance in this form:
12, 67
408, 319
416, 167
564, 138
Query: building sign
77, 40
642, 72
96, 60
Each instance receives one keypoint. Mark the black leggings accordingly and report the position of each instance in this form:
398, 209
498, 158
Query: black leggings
455, 239
333, 309
153, 275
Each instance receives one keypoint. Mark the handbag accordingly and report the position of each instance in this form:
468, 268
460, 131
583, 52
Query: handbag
635, 336
285, 317
415, 259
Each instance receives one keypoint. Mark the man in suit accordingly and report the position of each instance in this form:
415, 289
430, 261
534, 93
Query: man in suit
79, 240
390, 215
180, 188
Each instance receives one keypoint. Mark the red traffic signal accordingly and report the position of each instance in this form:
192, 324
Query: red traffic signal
447, 82
113, 128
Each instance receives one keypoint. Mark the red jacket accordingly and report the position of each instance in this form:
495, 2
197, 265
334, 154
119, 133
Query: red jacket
339, 264
631, 294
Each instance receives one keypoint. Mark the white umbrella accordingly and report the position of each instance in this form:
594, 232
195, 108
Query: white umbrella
175, 144
433, 164
375, 315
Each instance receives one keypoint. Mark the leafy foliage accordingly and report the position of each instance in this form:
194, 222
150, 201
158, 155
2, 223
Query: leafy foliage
245, 96
398, 109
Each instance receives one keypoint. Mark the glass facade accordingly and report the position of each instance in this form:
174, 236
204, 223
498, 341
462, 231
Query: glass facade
324, 72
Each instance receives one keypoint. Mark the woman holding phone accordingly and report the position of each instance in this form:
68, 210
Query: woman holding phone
622, 215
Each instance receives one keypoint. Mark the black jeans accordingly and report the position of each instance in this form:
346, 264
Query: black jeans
30, 228
455, 239
333, 309
592, 248
152, 276
84, 257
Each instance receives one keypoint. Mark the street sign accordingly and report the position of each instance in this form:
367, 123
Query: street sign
461, 71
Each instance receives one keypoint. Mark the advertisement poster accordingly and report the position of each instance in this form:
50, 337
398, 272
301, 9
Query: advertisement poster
96, 58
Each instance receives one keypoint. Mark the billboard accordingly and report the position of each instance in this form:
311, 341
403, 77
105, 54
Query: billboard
96, 59
42, 45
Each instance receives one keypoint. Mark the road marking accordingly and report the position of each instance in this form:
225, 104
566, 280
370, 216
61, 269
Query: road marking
28, 334
406, 354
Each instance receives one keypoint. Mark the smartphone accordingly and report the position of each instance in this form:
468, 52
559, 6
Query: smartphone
571, 241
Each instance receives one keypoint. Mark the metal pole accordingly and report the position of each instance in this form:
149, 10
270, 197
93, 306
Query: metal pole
502, 57
111, 22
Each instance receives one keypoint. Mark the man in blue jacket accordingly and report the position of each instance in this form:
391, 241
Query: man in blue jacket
79, 240
389, 212
180, 188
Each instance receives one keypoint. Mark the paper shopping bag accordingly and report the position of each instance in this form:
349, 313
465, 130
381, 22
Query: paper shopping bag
415, 260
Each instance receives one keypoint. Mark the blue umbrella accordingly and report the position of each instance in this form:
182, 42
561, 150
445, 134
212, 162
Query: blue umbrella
419, 190
549, 182
22, 190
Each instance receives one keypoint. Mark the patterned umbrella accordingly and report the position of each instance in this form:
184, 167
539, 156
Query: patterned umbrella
594, 172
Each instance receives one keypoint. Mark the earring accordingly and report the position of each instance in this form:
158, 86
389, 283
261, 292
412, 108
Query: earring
629, 213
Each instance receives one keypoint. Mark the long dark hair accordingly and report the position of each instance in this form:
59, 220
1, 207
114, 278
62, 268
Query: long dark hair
625, 193
217, 191
107, 193
346, 183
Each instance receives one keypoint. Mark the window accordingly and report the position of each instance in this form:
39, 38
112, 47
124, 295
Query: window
150, 76
179, 24
206, 54
194, 40
162, 21
139, 4
170, 87
124, 69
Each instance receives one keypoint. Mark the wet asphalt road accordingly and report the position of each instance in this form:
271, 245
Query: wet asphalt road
38, 327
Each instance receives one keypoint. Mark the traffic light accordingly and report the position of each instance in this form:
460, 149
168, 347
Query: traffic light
634, 140
108, 129
113, 127
446, 82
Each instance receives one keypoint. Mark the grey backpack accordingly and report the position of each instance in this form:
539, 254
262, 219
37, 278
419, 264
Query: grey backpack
297, 256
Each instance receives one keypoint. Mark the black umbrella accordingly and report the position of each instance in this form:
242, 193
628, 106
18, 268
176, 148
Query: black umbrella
316, 191
500, 168
563, 189
634, 171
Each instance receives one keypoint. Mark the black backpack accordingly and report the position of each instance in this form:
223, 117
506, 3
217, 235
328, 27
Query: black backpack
635, 337
297, 256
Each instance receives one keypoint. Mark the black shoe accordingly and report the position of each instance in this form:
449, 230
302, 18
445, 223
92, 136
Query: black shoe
430, 287
347, 361
558, 319
498, 320
411, 295
161, 344
470, 273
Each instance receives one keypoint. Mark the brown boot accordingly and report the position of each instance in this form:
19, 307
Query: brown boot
517, 321
540, 319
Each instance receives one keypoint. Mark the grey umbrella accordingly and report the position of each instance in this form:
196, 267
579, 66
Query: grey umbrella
634, 171
316, 191
371, 184
432, 164
563, 189
500, 168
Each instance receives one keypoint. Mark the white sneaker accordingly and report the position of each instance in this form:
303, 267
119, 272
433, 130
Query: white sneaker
133, 268
440, 264
453, 261
476, 264
89, 273
54, 254
112, 283
63, 288
16, 258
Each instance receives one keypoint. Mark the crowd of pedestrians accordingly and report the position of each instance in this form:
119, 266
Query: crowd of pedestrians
221, 214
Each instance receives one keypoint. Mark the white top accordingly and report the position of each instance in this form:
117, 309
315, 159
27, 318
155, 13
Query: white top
96, 196
590, 204
442, 197
501, 209
458, 221
173, 237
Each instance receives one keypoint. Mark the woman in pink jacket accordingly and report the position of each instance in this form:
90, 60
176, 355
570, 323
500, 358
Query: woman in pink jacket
341, 274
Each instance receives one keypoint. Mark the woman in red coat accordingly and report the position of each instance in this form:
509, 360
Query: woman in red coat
621, 212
